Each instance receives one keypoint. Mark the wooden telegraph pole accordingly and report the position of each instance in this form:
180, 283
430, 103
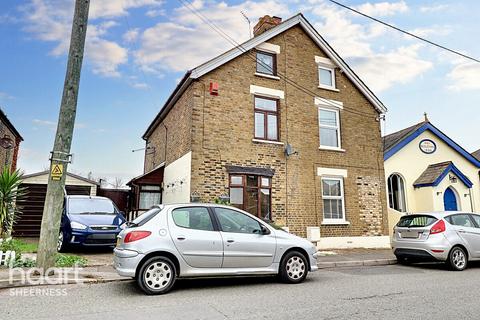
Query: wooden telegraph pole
60, 156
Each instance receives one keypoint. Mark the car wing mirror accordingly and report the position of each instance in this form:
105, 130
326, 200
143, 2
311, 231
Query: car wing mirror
264, 230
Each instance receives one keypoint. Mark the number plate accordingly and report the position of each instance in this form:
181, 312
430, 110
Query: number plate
410, 234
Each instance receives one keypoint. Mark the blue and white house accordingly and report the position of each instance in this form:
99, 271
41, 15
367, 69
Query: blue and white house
427, 171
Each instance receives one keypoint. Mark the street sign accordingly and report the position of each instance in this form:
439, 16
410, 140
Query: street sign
57, 171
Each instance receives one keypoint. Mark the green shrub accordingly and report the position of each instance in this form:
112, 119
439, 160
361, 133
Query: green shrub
65, 261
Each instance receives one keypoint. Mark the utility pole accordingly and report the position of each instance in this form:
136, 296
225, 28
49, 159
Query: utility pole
60, 156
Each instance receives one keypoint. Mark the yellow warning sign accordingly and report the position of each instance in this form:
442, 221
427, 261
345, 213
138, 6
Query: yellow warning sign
57, 171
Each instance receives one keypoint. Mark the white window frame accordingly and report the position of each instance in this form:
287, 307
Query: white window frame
332, 75
320, 126
326, 64
341, 197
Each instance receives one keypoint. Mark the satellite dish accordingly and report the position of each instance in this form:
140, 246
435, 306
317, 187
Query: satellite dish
6, 142
289, 150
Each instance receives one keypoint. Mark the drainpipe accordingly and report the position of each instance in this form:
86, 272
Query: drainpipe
471, 199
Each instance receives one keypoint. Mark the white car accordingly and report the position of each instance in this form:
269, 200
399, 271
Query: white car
198, 240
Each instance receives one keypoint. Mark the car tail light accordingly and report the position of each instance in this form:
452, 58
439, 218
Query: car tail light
136, 235
438, 227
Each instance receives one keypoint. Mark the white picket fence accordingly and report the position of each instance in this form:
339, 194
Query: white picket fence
7, 258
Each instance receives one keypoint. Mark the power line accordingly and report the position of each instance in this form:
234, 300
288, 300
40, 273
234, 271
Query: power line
240, 47
405, 32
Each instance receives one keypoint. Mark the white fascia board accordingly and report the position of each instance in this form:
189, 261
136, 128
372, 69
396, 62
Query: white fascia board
329, 172
267, 92
269, 47
321, 102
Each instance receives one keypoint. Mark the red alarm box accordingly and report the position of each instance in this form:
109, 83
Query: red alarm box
214, 88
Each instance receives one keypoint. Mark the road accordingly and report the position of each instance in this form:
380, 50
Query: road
390, 292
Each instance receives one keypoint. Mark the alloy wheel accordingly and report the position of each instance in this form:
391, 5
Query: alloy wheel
158, 275
295, 267
458, 258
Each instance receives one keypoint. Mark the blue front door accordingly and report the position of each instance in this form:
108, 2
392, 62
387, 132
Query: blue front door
450, 200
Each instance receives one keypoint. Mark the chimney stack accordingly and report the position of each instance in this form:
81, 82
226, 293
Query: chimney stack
266, 23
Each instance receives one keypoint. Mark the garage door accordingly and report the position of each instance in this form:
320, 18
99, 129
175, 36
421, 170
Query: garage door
28, 223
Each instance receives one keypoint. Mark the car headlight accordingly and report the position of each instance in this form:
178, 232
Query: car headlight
77, 225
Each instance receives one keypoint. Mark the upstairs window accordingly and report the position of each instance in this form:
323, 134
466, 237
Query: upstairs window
326, 77
326, 73
266, 63
329, 123
266, 118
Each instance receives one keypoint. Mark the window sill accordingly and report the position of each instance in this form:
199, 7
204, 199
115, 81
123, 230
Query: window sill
267, 76
333, 223
332, 149
268, 141
328, 88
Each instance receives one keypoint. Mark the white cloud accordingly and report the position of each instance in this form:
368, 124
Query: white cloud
50, 20
186, 41
433, 30
116, 8
383, 70
131, 35
45, 123
464, 76
380, 69
156, 13
434, 8
381, 9
5, 96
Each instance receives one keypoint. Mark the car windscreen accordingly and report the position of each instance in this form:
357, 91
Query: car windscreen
90, 206
417, 221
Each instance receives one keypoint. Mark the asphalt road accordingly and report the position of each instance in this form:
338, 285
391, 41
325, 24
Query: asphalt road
390, 292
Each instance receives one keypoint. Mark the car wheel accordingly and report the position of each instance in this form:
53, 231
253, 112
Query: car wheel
62, 242
457, 259
156, 276
293, 268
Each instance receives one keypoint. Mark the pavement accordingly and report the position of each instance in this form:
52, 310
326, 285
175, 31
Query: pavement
382, 292
100, 269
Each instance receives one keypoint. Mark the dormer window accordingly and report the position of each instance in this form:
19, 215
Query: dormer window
266, 63
326, 73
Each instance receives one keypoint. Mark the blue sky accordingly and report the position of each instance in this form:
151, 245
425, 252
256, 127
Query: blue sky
137, 50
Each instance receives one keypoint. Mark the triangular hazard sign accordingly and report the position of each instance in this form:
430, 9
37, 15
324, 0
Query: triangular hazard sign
56, 169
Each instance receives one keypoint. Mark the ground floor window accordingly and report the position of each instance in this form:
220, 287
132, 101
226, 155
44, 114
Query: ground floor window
252, 193
150, 195
333, 200
396, 193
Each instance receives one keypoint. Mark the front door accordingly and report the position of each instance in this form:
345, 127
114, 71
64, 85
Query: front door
245, 246
450, 200
195, 237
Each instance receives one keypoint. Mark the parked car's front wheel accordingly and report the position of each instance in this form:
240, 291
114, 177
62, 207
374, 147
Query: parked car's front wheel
457, 259
157, 275
293, 268
62, 242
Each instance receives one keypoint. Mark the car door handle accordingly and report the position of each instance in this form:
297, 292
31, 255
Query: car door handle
230, 241
181, 238
462, 231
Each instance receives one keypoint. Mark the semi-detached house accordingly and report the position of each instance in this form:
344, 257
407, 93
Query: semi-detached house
282, 128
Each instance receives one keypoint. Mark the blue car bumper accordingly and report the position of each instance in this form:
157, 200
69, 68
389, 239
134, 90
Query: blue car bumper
94, 238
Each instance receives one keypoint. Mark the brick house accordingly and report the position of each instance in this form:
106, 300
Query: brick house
10, 140
280, 126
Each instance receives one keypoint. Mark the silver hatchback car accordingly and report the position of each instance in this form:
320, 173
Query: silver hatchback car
451, 237
205, 240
